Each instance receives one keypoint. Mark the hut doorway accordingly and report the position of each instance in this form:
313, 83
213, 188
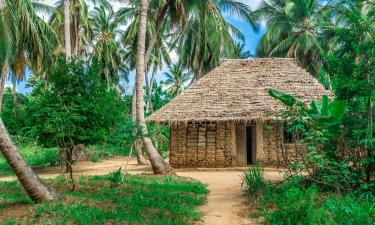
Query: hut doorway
250, 144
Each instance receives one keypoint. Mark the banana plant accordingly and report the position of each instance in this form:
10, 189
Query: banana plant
322, 110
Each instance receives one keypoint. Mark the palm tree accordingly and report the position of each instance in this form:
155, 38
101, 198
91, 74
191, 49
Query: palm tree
241, 52
176, 79
158, 164
26, 34
156, 50
107, 51
293, 30
208, 37
79, 29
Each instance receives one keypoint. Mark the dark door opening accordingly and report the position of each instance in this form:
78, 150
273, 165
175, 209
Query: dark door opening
250, 144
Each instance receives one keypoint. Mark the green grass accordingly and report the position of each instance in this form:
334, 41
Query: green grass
294, 202
35, 156
138, 200
45, 157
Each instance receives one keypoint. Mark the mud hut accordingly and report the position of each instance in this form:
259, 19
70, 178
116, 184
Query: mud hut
228, 119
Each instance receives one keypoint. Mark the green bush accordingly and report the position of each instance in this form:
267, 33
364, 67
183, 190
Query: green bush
75, 106
14, 113
115, 178
35, 156
349, 210
255, 182
290, 203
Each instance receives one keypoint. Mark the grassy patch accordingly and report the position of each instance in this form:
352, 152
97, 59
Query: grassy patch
45, 157
35, 156
138, 200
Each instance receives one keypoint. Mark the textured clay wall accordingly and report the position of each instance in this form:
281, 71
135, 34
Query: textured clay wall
202, 145
275, 152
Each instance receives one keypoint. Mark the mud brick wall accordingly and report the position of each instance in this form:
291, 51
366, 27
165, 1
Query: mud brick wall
276, 153
202, 145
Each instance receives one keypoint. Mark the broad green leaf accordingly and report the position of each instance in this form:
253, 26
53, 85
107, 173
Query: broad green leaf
325, 105
337, 109
283, 97
315, 107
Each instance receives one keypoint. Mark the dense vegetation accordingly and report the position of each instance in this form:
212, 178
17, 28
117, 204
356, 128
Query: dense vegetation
335, 137
81, 56
75, 108
296, 202
136, 200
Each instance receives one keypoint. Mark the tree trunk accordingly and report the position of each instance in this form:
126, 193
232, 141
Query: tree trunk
69, 159
3, 80
159, 20
149, 100
137, 145
32, 184
147, 90
199, 73
158, 164
68, 46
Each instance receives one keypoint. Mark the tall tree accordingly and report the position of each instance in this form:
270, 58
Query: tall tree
208, 37
293, 30
158, 164
107, 51
21, 25
176, 79
68, 46
80, 28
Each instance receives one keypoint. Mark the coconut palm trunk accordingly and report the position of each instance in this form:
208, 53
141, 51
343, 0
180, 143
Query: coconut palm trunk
137, 145
158, 164
33, 186
68, 47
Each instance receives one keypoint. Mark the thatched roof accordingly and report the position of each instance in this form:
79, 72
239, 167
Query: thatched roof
238, 90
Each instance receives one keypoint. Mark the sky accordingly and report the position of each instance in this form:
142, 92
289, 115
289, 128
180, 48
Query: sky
251, 40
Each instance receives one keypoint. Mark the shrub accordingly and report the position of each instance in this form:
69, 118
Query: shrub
291, 203
75, 106
294, 206
256, 185
349, 210
115, 178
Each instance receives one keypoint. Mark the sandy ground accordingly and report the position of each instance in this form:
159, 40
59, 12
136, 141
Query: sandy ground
226, 201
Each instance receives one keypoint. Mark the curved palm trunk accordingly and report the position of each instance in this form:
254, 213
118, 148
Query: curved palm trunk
68, 47
33, 186
158, 164
149, 100
137, 145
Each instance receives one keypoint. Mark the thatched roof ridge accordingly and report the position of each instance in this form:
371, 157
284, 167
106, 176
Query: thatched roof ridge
238, 90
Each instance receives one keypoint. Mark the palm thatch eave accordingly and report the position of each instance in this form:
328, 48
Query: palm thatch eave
237, 90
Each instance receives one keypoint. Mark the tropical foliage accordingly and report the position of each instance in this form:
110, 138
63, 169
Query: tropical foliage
84, 99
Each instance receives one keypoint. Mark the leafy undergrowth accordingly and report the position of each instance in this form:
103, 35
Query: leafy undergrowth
293, 202
138, 200
46, 157
35, 156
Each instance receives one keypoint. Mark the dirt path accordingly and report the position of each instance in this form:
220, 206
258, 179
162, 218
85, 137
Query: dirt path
89, 168
226, 201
